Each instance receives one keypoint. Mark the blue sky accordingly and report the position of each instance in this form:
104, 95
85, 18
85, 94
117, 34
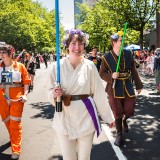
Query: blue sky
66, 8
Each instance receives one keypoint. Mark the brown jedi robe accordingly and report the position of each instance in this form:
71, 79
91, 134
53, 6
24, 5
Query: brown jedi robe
106, 75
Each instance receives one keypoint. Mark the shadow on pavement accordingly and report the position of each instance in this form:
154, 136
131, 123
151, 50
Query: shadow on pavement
2, 149
46, 110
56, 157
103, 151
5, 156
142, 141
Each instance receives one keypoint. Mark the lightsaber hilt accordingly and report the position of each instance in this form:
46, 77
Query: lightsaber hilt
114, 84
59, 104
59, 101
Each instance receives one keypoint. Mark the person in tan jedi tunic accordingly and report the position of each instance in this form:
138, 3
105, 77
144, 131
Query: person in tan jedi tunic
14, 82
121, 97
83, 96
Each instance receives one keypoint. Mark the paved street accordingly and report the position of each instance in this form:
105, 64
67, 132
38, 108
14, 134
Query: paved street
40, 142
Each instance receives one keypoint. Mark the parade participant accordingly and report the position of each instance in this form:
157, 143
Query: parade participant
156, 69
14, 82
45, 59
51, 57
21, 56
122, 97
94, 58
37, 58
83, 96
30, 64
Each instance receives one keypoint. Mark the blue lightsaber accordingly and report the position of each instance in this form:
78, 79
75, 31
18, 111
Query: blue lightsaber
59, 99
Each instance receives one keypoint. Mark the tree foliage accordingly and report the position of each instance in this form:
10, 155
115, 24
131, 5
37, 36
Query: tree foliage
109, 16
137, 13
26, 24
95, 23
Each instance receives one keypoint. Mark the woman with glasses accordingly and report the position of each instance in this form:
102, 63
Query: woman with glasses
14, 82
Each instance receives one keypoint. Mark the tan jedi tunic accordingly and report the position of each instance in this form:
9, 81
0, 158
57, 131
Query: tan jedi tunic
75, 120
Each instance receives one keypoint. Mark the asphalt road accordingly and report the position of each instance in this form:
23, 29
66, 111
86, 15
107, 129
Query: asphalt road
40, 142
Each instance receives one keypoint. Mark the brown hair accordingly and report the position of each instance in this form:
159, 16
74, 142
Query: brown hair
27, 55
113, 40
9, 48
78, 37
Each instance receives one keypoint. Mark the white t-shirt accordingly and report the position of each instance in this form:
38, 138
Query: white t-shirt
16, 75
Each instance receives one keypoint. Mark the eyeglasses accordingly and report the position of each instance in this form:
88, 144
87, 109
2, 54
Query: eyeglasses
3, 52
74, 43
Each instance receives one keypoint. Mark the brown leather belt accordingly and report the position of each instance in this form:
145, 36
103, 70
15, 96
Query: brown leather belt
12, 85
68, 98
121, 75
78, 97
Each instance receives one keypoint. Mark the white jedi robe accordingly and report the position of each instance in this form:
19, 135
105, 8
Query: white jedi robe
75, 120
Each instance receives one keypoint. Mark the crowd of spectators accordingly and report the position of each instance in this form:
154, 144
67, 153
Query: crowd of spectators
148, 64
147, 61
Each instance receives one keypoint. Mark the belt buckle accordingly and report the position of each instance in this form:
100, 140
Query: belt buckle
77, 97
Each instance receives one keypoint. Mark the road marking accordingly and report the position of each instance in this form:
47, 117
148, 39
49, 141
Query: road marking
111, 139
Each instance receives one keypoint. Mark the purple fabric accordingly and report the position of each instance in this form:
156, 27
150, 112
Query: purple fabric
90, 109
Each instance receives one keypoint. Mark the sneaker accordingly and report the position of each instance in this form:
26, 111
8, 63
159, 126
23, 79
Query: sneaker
15, 156
31, 87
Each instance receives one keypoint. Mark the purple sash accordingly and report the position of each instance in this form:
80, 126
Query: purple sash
90, 105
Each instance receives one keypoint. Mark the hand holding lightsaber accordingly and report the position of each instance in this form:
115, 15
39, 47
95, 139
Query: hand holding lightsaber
121, 50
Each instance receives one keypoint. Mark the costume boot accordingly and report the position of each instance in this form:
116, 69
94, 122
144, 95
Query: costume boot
124, 124
118, 142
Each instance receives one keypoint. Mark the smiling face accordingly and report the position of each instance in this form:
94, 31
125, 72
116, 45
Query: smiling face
76, 47
5, 56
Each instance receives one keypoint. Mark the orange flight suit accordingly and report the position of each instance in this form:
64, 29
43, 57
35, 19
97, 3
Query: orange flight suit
11, 112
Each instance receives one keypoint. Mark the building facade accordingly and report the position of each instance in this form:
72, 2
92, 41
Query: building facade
76, 9
91, 2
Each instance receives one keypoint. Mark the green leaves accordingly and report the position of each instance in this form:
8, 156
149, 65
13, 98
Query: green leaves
26, 24
109, 16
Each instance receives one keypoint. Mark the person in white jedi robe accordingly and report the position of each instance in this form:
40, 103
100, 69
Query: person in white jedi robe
78, 121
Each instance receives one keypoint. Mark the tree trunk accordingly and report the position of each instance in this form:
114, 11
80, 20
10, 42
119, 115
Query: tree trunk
141, 38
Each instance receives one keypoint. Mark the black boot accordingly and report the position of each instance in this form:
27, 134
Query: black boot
29, 88
124, 124
118, 142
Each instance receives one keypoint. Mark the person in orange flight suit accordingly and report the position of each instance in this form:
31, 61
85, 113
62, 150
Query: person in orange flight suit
14, 83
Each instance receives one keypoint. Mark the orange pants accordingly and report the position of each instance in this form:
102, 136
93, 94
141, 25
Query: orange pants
11, 116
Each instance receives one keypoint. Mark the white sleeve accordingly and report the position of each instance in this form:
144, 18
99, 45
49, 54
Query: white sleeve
100, 97
51, 81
